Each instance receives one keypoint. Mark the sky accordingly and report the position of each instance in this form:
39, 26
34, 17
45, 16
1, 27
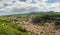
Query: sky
8, 7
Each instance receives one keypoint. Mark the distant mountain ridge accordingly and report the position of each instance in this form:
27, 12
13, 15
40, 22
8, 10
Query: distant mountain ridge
33, 13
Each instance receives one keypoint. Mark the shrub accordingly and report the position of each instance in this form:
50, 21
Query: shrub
57, 23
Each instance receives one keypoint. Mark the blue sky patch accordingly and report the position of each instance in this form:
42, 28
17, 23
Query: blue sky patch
23, 0
58, 1
51, 1
5, 4
33, 1
13, 1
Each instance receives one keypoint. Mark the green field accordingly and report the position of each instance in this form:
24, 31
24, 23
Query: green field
9, 28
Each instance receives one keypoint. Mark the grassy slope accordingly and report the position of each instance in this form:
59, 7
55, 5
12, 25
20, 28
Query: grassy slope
9, 28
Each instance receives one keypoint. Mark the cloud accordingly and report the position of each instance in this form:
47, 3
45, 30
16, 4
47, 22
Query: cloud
54, 7
27, 6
